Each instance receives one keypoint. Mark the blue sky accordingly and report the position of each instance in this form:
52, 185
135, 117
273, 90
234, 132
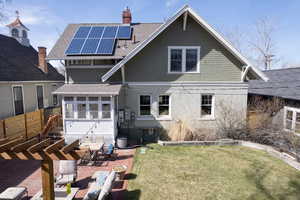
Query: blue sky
46, 19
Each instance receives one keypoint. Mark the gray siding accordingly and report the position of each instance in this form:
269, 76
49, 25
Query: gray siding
29, 95
90, 75
216, 63
185, 103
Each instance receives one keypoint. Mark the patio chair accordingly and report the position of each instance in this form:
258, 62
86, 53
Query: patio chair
14, 193
109, 152
67, 172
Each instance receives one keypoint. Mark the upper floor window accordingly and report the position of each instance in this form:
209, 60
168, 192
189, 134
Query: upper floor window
184, 59
15, 32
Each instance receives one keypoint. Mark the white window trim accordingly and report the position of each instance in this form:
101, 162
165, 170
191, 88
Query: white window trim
36, 97
164, 117
64, 107
295, 111
13, 97
144, 117
106, 102
183, 63
212, 116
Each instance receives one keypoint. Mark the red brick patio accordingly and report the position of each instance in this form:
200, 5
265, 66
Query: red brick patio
28, 174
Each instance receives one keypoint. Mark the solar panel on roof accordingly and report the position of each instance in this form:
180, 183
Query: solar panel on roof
110, 32
90, 46
82, 32
106, 46
96, 32
124, 32
75, 46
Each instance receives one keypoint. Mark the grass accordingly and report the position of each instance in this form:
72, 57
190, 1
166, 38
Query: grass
218, 173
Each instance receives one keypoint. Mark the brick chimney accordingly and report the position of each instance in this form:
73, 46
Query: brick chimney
126, 16
42, 59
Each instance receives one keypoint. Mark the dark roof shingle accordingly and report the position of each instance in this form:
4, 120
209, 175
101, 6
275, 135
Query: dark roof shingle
20, 63
284, 83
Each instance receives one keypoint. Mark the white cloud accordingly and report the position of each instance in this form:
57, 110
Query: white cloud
171, 3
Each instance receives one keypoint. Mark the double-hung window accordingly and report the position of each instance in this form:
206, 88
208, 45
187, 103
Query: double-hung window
69, 107
207, 106
18, 99
292, 119
40, 96
94, 107
164, 105
81, 108
106, 107
145, 105
184, 59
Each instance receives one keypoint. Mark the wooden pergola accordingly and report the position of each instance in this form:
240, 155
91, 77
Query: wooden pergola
45, 149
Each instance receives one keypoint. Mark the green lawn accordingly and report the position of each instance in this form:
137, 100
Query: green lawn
218, 173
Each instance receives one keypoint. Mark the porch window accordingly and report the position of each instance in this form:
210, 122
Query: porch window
69, 109
145, 105
164, 105
106, 110
81, 107
94, 107
184, 59
207, 105
292, 119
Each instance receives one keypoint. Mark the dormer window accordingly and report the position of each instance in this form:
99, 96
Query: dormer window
183, 59
24, 34
15, 32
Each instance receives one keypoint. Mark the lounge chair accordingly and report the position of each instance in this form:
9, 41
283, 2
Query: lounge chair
67, 172
108, 185
98, 178
14, 193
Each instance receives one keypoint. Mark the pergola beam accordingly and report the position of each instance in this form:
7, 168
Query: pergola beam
25, 145
70, 147
55, 147
39, 146
10, 144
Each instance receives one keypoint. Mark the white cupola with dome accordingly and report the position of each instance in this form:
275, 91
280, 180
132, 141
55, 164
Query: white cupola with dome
19, 31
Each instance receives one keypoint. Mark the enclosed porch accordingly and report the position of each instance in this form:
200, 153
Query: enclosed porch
90, 111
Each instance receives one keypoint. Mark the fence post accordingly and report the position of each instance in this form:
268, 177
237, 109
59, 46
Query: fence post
26, 131
42, 118
4, 129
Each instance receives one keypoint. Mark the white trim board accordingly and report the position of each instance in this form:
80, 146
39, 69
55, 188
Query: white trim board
204, 24
16, 82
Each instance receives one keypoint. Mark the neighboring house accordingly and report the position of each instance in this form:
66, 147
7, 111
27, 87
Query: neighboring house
26, 80
285, 85
140, 76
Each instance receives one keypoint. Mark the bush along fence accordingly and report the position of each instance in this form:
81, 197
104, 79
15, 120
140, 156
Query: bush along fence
27, 125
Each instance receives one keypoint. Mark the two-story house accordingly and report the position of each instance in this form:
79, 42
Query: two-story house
26, 79
144, 75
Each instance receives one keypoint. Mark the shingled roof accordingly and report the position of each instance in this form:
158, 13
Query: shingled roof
20, 63
284, 83
141, 31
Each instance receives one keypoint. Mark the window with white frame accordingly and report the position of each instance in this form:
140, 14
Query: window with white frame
207, 105
54, 96
164, 105
94, 107
69, 107
184, 59
145, 105
292, 119
106, 107
81, 108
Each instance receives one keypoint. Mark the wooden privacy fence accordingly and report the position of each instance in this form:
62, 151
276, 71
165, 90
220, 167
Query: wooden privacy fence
27, 125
